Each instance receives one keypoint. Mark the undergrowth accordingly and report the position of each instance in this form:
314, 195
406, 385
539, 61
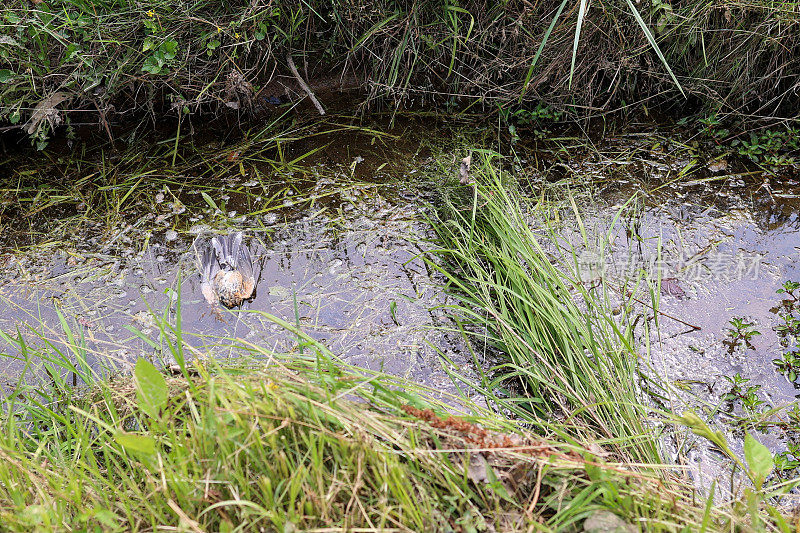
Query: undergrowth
115, 58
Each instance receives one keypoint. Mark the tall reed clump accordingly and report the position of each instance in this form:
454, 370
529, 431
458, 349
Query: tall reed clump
574, 363
299, 443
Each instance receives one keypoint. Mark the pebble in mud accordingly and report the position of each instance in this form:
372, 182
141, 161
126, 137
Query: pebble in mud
199, 229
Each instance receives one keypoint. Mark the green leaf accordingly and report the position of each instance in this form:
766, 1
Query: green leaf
151, 388
210, 201
151, 65
759, 459
701, 429
6, 75
594, 471
71, 51
170, 49
496, 485
136, 443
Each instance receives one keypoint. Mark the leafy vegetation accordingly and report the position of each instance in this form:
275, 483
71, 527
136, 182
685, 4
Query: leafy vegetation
788, 332
741, 392
110, 58
303, 442
742, 331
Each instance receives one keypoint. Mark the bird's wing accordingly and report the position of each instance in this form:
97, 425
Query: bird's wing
245, 262
207, 262
208, 267
217, 243
227, 248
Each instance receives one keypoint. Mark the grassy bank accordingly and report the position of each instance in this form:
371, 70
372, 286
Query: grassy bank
302, 443
112, 59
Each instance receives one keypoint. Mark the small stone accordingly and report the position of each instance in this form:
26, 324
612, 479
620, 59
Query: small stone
607, 522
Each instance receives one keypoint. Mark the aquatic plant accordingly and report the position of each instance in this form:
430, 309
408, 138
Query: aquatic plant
742, 331
548, 332
770, 147
789, 287
743, 393
563, 359
787, 463
789, 365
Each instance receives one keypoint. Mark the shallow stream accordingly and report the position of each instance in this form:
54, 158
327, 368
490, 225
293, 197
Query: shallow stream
336, 225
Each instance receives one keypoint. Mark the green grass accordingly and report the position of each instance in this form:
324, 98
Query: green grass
296, 443
554, 333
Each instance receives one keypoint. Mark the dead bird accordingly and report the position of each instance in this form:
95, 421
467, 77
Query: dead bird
226, 271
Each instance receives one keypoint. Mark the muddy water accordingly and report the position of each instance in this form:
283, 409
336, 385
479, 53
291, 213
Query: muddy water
338, 250
722, 252
722, 246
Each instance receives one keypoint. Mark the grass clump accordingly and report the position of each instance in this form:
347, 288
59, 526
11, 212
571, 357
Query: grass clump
553, 336
564, 361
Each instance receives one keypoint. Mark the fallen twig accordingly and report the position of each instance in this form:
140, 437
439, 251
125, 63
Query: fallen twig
303, 84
